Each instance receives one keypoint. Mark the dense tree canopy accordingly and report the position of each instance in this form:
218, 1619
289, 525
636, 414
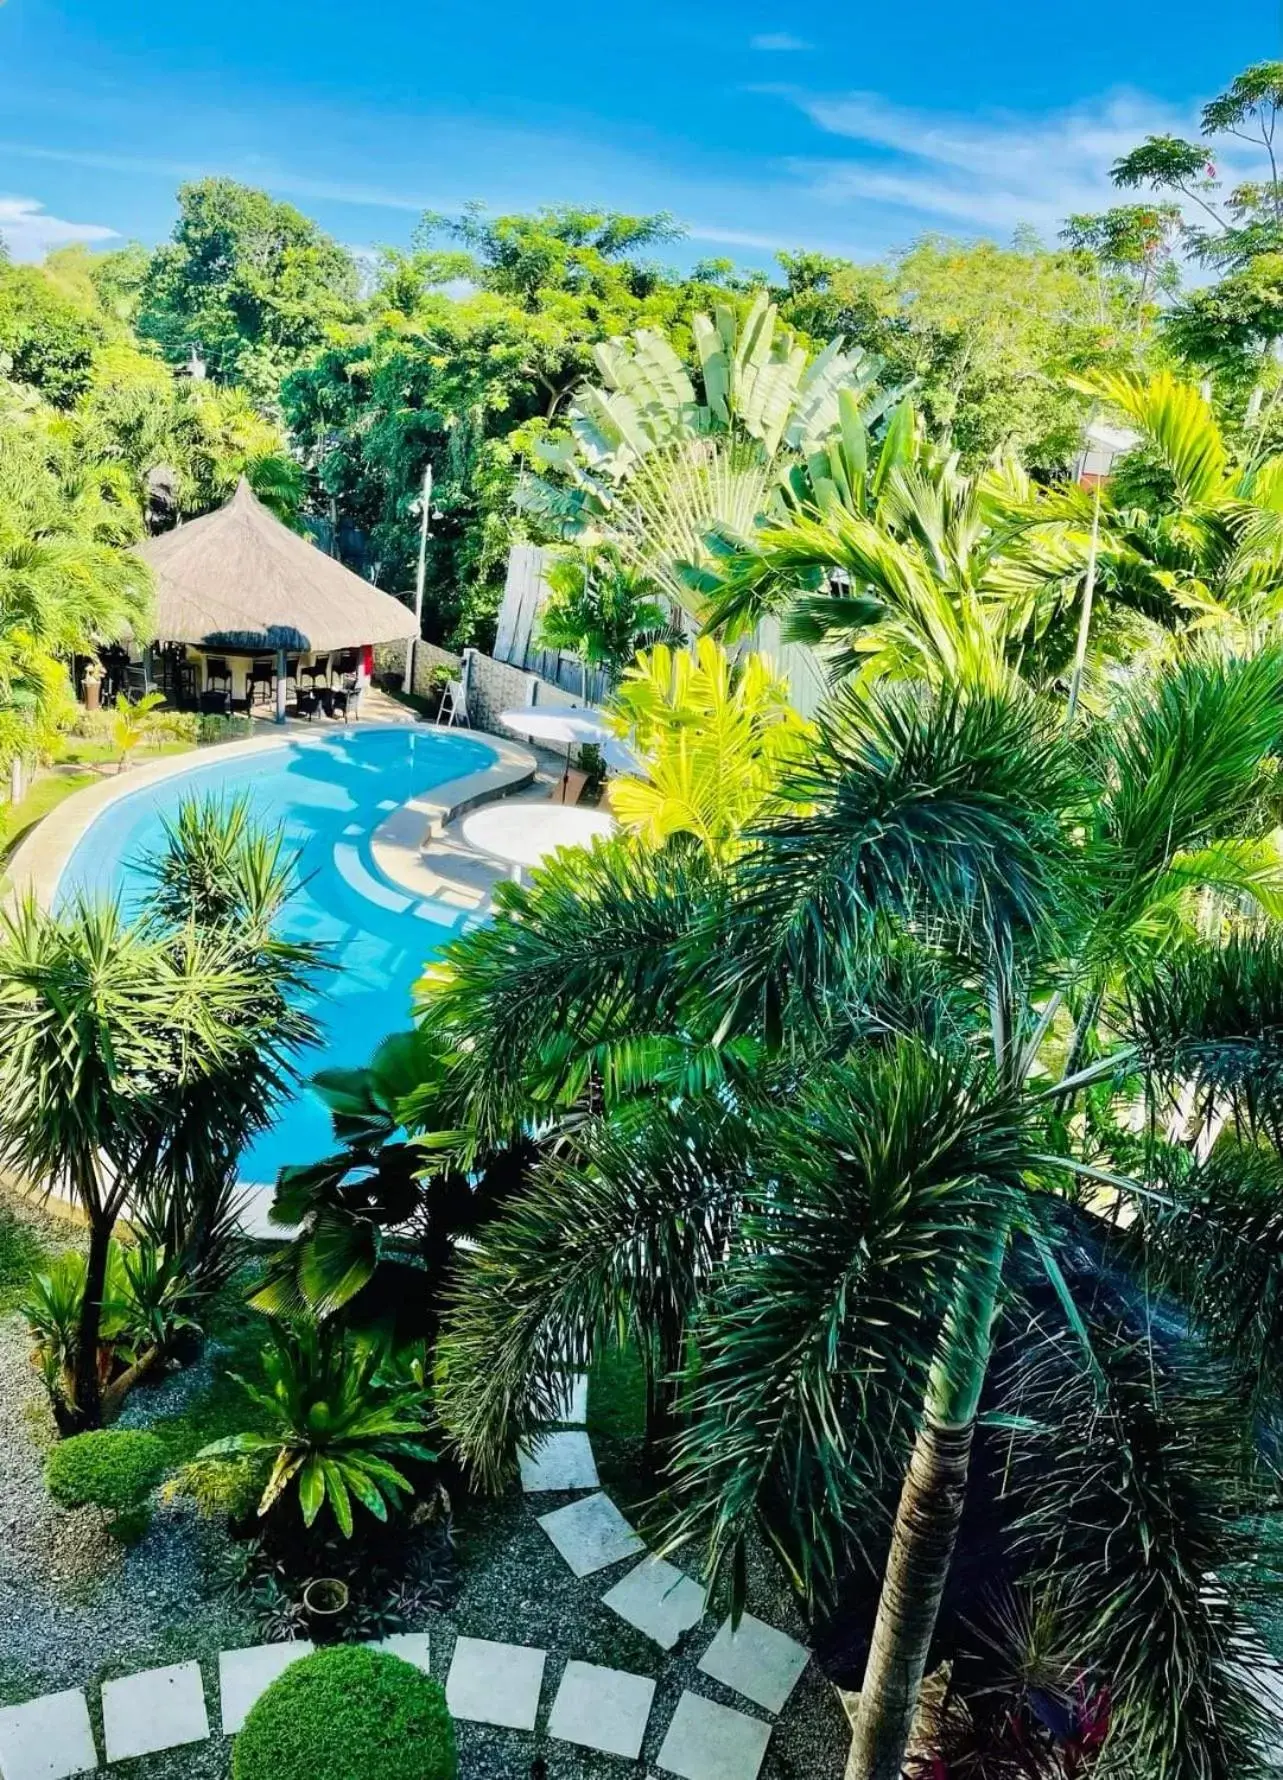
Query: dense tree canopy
249, 282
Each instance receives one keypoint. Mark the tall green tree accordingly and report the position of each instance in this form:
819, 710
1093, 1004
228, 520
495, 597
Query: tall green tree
949, 876
251, 283
469, 382
984, 334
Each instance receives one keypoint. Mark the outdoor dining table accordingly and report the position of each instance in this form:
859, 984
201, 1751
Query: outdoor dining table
523, 835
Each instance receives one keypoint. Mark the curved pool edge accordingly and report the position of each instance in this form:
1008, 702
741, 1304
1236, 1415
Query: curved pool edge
399, 843
38, 864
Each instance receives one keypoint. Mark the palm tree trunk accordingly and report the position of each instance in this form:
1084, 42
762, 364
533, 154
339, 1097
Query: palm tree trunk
926, 1522
86, 1411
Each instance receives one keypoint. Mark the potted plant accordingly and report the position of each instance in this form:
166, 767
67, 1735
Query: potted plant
434, 687
325, 1601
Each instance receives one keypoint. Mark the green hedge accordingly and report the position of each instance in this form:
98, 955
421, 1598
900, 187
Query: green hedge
348, 1714
115, 1468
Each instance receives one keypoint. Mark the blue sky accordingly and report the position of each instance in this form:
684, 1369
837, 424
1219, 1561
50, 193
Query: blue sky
850, 128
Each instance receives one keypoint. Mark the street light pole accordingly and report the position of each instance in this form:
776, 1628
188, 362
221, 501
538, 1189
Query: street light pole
425, 525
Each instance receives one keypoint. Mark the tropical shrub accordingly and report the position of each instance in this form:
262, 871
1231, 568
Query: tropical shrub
212, 728
348, 1714
716, 738
146, 1301
115, 1469
220, 1490
600, 609
340, 1425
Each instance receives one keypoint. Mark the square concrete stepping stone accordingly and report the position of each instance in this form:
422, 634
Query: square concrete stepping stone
573, 1406
659, 1600
706, 1741
757, 1660
591, 1534
244, 1674
411, 1647
47, 1739
157, 1709
495, 1683
602, 1709
557, 1462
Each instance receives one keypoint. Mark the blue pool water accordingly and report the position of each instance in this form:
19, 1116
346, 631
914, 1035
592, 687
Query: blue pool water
328, 794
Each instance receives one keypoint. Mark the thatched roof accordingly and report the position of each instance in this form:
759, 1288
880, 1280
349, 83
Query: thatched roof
239, 579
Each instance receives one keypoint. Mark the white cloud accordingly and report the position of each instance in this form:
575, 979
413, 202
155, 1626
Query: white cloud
29, 231
778, 42
278, 179
990, 172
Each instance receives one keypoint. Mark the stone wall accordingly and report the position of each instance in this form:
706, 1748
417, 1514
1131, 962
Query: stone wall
389, 658
493, 686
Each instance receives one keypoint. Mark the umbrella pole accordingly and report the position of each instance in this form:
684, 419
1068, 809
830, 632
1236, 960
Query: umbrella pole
282, 670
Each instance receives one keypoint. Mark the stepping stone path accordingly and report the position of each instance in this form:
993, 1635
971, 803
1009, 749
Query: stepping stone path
706, 1741
591, 1534
47, 1739
756, 1660
659, 1600
603, 1709
245, 1674
495, 1683
411, 1647
158, 1709
558, 1462
598, 1708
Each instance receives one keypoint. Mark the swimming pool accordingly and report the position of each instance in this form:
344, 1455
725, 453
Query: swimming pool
328, 794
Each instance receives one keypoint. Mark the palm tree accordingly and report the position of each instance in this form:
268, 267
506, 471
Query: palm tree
67, 584
868, 1021
600, 609
223, 874
135, 1060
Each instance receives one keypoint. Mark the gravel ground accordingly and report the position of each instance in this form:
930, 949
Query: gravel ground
516, 1588
76, 1609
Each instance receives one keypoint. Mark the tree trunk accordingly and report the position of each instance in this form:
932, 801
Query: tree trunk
926, 1522
86, 1411
663, 1387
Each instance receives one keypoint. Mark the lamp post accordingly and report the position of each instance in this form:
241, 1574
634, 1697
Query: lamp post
425, 524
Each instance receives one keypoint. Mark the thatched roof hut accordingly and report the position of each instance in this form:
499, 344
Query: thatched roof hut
239, 579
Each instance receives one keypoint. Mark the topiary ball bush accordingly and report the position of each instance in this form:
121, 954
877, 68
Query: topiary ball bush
348, 1713
115, 1468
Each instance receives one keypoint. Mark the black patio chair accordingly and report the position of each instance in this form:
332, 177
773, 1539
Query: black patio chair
260, 686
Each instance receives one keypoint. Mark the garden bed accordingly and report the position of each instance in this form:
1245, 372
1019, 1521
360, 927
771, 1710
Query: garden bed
77, 1609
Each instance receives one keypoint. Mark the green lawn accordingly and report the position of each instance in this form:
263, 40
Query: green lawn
72, 772
238, 1334
21, 1253
18, 819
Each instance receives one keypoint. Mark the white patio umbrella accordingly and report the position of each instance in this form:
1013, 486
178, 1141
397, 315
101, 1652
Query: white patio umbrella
572, 728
